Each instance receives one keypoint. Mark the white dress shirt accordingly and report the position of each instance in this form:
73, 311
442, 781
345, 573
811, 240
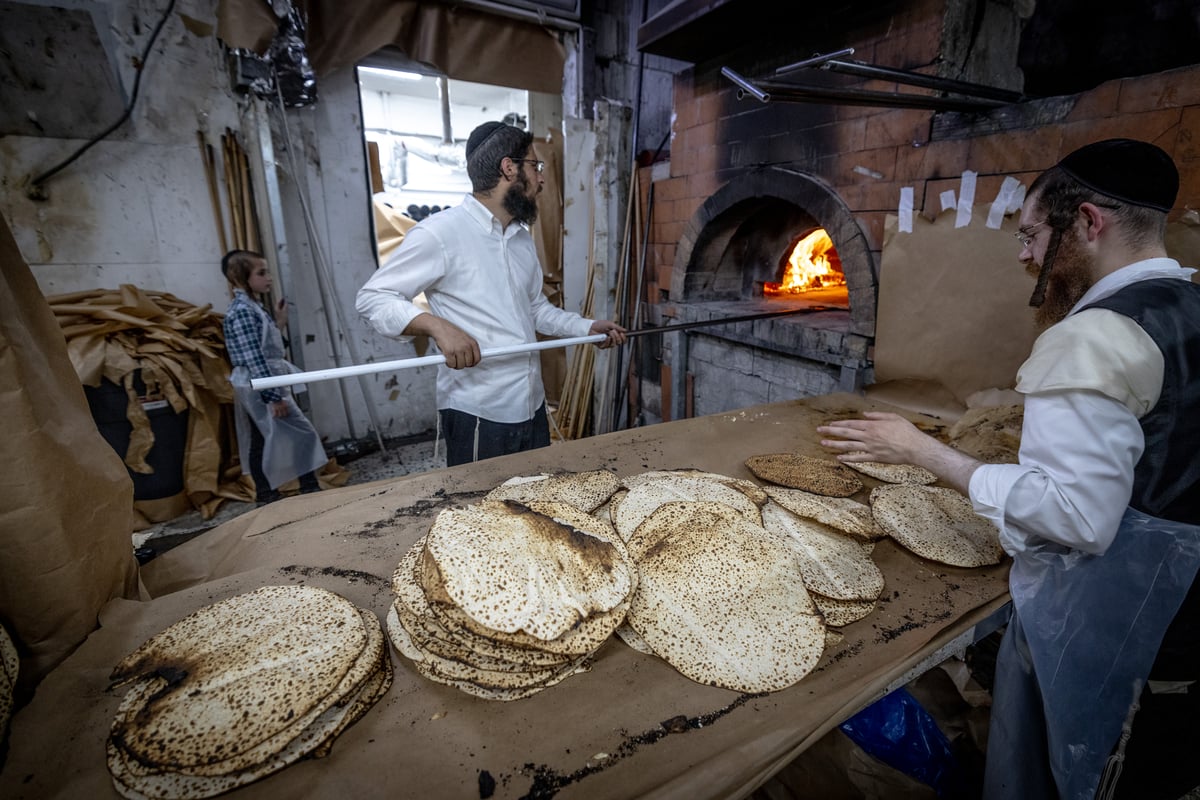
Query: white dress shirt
487, 280
1087, 382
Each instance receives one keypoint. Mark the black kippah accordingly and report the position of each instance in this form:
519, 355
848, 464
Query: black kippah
480, 135
1133, 172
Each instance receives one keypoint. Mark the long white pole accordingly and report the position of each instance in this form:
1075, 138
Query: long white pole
406, 363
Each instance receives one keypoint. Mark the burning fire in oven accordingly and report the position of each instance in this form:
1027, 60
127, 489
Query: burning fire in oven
812, 264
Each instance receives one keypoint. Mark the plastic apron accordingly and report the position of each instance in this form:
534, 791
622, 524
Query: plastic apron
1083, 637
291, 445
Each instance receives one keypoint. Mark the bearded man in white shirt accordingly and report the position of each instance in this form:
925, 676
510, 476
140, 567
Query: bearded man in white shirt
478, 268
1096, 676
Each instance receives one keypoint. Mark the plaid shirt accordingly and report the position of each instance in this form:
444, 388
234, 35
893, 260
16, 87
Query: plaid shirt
243, 340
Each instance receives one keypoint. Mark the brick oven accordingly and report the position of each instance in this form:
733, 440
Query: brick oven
734, 245
831, 150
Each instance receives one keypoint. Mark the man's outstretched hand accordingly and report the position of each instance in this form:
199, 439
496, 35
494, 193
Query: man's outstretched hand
890, 438
615, 333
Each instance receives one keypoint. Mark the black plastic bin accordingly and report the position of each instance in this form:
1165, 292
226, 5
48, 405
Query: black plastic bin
108, 401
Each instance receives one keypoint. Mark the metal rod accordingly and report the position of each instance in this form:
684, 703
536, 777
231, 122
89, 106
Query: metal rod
407, 363
815, 61
746, 86
918, 79
443, 84
313, 376
729, 320
781, 92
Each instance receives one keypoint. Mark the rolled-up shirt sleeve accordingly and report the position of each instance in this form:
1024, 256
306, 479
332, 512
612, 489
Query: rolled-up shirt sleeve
386, 300
550, 320
1075, 479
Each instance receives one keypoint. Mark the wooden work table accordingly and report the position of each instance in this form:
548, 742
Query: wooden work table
631, 727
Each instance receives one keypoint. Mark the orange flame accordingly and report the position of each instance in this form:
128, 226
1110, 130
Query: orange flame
810, 266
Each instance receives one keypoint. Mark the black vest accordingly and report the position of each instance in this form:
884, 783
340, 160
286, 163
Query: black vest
1166, 480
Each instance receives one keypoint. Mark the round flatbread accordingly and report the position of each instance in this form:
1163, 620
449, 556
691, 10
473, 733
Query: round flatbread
936, 523
694, 607
894, 473
749, 488
817, 475
581, 640
541, 569
848, 516
452, 669
645, 497
584, 490
244, 652
184, 681
134, 780
839, 613
10, 663
831, 563
414, 608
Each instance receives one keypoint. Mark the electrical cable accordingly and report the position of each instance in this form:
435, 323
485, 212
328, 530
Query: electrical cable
133, 95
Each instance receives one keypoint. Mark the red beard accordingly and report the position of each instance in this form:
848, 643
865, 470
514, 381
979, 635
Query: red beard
1070, 278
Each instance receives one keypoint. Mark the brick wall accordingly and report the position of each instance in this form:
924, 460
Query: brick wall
716, 136
866, 154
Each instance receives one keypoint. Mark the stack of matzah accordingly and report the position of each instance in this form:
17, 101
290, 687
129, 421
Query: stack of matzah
505, 598
242, 688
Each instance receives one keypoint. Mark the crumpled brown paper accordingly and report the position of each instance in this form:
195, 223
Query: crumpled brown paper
178, 350
65, 498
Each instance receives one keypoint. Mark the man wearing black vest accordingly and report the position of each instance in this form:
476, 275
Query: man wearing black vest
1095, 688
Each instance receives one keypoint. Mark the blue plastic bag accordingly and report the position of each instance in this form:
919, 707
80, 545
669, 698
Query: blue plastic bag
898, 731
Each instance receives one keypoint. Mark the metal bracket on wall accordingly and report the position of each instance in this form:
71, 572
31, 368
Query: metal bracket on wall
973, 96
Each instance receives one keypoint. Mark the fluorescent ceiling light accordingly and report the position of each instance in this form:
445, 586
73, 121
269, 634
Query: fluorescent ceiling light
391, 73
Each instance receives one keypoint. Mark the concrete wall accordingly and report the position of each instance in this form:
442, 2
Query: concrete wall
332, 253
612, 68
136, 207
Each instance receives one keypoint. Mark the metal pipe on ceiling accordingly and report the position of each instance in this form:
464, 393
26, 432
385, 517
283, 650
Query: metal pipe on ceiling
443, 84
784, 92
746, 86
862, 70
815, 61
976, 96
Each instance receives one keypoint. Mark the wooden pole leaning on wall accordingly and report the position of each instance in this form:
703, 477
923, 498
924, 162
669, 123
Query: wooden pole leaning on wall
214, 194
232, 194
253, 241
239, 191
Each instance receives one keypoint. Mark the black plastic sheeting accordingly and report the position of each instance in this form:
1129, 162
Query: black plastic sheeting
284, 70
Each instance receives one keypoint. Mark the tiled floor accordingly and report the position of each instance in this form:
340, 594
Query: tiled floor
401, 458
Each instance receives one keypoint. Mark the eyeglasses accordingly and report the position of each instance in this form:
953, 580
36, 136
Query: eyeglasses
1024, 235
538, 166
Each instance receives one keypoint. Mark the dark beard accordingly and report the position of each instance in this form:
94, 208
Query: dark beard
518, 203
1070, 278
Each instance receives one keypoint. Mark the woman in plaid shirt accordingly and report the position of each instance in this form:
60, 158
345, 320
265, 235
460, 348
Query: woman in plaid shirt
276, 442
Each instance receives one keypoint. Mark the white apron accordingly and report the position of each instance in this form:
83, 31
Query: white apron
1084, 633
291, 445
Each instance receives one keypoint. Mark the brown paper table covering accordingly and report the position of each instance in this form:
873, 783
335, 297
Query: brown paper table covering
598, 734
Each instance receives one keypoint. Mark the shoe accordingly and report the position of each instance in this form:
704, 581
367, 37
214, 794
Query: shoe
264, 499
